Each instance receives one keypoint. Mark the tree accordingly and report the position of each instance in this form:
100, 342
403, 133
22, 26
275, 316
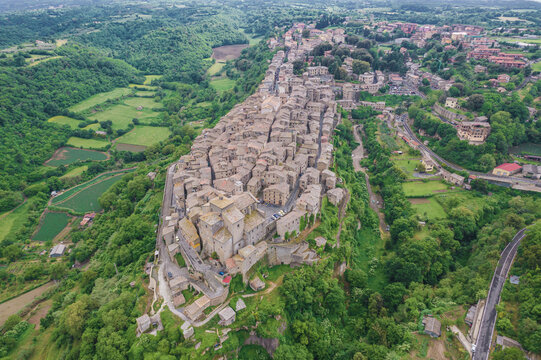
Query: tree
58, 270
12, 252
74, 317
475, 102
306, 33
292, 352
487, 161
360, 67
425, 82
509, 353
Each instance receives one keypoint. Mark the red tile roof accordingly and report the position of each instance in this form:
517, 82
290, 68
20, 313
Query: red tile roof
509, 167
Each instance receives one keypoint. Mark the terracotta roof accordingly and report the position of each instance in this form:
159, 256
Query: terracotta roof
509, 167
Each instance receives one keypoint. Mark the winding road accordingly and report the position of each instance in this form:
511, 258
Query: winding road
488, 320
490, 177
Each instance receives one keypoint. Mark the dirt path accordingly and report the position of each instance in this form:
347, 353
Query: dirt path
41, 311
272, 286
15, 208
15, 305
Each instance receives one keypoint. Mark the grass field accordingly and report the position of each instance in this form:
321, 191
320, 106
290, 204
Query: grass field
150, 78
423, 189
408, 165
13, 221
145, 93
64, 120
75, 172
122, 115
215, 68
130, 147
145, 87
100, 98
87, 199
222, 84
428, 208
145, 102
527, 148
144, 135
69, 155
52, 224
536, 66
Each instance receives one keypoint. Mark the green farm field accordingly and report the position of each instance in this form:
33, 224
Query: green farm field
13, 221
145, 102
144, 135
142, 93
428, 208
51, 225
150, 78
215, 68
87, 143
408, 165
87, 199
423, 189
64, 120
75, 189
526, 148
142, 87
69, 155
222, 84
75, 172
100, 98
122, 115
536, 66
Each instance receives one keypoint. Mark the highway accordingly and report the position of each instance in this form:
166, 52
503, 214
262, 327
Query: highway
488, 320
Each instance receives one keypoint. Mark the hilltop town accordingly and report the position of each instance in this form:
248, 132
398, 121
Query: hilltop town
255, 181
252, 180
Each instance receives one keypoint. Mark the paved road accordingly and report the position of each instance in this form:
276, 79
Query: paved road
502, 179
488, 319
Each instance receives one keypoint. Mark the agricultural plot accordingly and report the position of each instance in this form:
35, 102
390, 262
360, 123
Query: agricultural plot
52, 224
69, 155
13, 221
150, 78
144, 136
75, 172
143, 93
222, 84
228, 52
215, 68
100, 98
145, 102
130, 147
423, 189
95, 144
527, 148
142, 87
87, 199
408, 165
428, 208
536, 66
122, 115
64, 120
72, 191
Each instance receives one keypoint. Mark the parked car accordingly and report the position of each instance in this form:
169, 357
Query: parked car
170, 275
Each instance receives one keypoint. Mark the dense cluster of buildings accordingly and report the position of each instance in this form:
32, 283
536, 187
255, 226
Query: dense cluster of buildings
254, 180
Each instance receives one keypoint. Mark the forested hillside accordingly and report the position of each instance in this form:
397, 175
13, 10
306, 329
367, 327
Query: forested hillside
30, 95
